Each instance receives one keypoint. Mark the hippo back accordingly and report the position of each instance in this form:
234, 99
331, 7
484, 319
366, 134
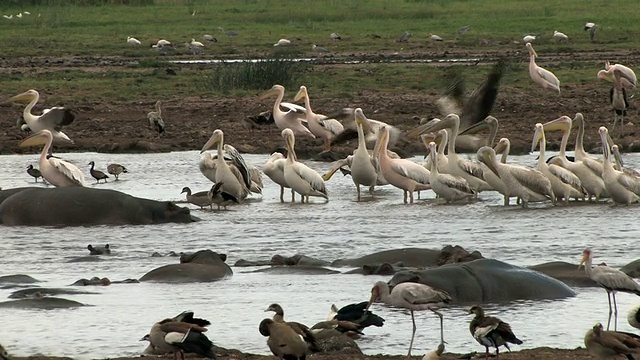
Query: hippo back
4, 194
201, 266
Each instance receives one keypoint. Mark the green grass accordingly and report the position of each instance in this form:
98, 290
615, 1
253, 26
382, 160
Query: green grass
100, 28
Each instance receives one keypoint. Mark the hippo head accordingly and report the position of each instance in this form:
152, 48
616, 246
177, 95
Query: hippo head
203, 257
378, 269
283, 260
171, 212
404, 276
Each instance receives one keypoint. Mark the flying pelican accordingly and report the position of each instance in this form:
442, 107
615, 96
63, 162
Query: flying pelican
529, 38
413, 297
467, 140
611, 280
591, 28
51, 119
236, 179
564, 183
292, 118
56, 171
363, 167
588, 170
623, 188
196, 43
371, 129
401, 173
490, 331
319, 125
274, 169
525, 183
611, 344
155, 118
619, 164
301, 178
133, 41
540, 76
560, 37
449, 187
282, 42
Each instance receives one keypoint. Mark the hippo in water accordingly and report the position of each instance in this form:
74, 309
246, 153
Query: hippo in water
413, 257
487, 280
201, 266
83, 206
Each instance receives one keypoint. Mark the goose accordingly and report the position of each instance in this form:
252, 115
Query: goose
301, 329
623, 189
201, 198
179, 337
283, 341
55, 171
116, 170
490, 331
96, 174
301, 178
51, 119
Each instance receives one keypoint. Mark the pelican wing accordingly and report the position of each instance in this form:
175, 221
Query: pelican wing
456, 182
337, 165
294, 110
471, 168
533, 180
69, 170
240, 165
594, 165
565, 176
548, 76
332, 125
309, 175
411, 170
629, 182
56, 117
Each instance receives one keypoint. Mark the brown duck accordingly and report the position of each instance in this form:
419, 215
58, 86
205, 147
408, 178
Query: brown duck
607, 344
283, 341
299, 328
490, 331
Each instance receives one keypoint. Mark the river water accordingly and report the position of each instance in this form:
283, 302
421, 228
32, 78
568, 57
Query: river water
122, 313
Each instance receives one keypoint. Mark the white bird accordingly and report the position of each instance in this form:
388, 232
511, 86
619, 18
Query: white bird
623, 188
449, 187
560, 37
56, 171
529, 38
274, 169
319, 125
133, 41
301, 178
503, 147
335, 36
155, 118
236, 180
161, 43
434, 37
591, 28
26, 13
564, 183
196, 43
618, 72
413, 297
293, 118
317, 48
441, 138
540, 76
51, 119
8, 17
619, 164
208, 165
210, 38
434, 354
363, 167
612, 280
19, 16
282, 42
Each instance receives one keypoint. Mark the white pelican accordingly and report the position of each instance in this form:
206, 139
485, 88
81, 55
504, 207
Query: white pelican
301, 178
401, 173
319, 125
623, 188
529, 38
612, 280
282, 42
133, 41
363, 170
560, 37
615, 72
236, 179
588, 170
274, 169
161, 43
530, 185
470, 171
619, 164
449, 187
155, 118
434, 37
292, 118
564, 183
56, 171
51, 119
540, 76
502, 147
434, 354
196, 43
441, 138
371, 129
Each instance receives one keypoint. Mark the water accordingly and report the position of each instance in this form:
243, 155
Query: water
122, 313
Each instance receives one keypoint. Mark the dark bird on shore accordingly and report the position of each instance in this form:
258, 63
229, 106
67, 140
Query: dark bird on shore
229, 33
356, 313
300, 329
106, 250
620, 102
283, 341
116, 170
179, 337
221, 198
592, 28
265, 118
609, 344
490, 331
155, 118
34, 172
97, 174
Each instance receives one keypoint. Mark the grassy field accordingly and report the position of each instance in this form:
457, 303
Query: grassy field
72, 28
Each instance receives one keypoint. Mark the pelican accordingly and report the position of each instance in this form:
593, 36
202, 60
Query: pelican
529, 38
623, 188
503, 146
527, 184
301, 178
370, 127
155, 118
274, 169
540, 76
618, 72
619, 164
133, 41
196, 43
467, 140
363, 168
56, 171
208, 166
441, 138
449, 187
51, 119
235, 178
292, 118
282, 42
319, 125
588, 170
564, 183
401, 173
560, 37
612, 280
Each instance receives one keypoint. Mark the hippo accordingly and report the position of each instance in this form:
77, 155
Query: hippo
4, 194
487, 280
17, 279
632, 269
83, 206
38, 292
412, 257
201, 266
566, 272
299, 269
297, 260
378, 269
44, 303
455, 254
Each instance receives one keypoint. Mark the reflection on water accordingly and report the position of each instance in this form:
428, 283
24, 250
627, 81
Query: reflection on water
123, 313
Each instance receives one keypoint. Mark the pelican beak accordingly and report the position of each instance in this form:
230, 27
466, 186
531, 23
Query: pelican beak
329, 174
25, 96
446, 123
475, 128
484, 155
267, 94
531, 50
584, 258
500, 147
360, 119
34, 140
537, 136
616, 155
300, 95
563, 123
213, 140
371, 299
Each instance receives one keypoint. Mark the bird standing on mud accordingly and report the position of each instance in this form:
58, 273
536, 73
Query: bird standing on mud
155, 118
490, 331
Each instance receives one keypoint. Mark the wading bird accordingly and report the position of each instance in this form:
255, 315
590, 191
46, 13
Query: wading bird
446, 186
623, 188
56, 171
282, 42
301, 178
274, 169
235, 177
116, 170
51, 119
541, 76
293, 118
34, 172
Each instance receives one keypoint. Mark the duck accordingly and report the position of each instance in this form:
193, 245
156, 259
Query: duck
98, 175
200, 198
490, 331
609, 344
106, 250
302, 330
283, 341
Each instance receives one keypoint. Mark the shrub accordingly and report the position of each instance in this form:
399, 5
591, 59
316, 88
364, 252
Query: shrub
254, 75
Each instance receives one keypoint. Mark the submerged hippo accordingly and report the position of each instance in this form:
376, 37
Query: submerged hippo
82, 206
201, 266
413, 257
632, 269
566, 272
45, 303
378, 269
17, 279
4, 194
487, 280
40, 292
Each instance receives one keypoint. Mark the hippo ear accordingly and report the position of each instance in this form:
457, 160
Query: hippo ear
223, 257
386, 268
367, 269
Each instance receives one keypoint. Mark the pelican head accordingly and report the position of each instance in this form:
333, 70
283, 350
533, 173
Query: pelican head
28, 95
38, 139
432, 126
537, 136
488, 123
289, 139
432, 148
216, 138
606, 141
487, 156
563, 123
605, 75
586, 253
359, 117
302, 93
502, 145
275, 90
578, 120
532, 52
383, 139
